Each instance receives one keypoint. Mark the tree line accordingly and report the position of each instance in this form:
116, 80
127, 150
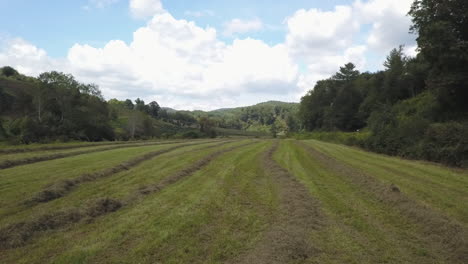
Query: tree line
56, 107
415, 107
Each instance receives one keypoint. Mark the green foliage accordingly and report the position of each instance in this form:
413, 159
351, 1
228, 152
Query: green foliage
403, 106
8, 71
442, 27
347, 138
334, 104
53, 106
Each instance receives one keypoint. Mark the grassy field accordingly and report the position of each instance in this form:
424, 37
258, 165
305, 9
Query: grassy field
228, 201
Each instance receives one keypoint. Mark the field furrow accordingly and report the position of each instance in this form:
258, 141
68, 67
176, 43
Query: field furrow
440, 188
443, 235
23, 183
288, 238
62, 188
66, 146
19, 160
103, 206
232, 201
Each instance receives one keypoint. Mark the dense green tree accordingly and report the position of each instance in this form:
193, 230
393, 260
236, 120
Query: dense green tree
8, 71
347, 73
442, 28
129, 104
153, 109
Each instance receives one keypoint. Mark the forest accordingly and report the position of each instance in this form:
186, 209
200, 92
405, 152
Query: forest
416, 107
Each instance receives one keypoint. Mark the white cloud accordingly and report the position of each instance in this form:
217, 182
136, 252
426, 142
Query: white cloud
314, 32
175, 62
26, 58
185, 66
389, 20
239, 26
145, 8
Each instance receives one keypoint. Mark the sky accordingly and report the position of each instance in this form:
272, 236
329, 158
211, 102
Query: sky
203, 54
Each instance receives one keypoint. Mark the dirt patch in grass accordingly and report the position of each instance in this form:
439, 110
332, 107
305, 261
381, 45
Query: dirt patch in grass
18, 234
299, 214
61, 188
442, 234
14, 163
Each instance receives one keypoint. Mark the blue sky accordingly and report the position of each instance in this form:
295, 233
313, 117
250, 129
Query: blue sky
287, 45
55, 25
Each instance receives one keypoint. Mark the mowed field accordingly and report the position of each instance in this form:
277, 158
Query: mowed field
228, 201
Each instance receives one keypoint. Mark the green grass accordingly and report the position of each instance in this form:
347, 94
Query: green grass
222, 211
436, 186
21, 183
360, 229
222, 206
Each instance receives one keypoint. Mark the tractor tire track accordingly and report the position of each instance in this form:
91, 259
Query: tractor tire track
298, 215
19, 234
14, 163
446, 236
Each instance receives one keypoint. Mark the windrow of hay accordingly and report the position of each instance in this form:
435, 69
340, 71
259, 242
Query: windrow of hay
61, 188
145, 190
17, 235
66, 147
299, 214
442, 234
13, 163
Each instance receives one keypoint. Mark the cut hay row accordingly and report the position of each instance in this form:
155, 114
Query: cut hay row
13, 163
443, 234
70, 146
17, 235
299, 214
145, 190
63, 187
441, 188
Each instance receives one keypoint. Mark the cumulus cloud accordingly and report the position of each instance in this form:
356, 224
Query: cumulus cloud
174, 61
325, 40
239, 26
185, 66
389, 20
26, 58
145, 8
314, 32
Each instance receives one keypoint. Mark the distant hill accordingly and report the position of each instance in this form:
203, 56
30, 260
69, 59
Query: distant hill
267, 117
